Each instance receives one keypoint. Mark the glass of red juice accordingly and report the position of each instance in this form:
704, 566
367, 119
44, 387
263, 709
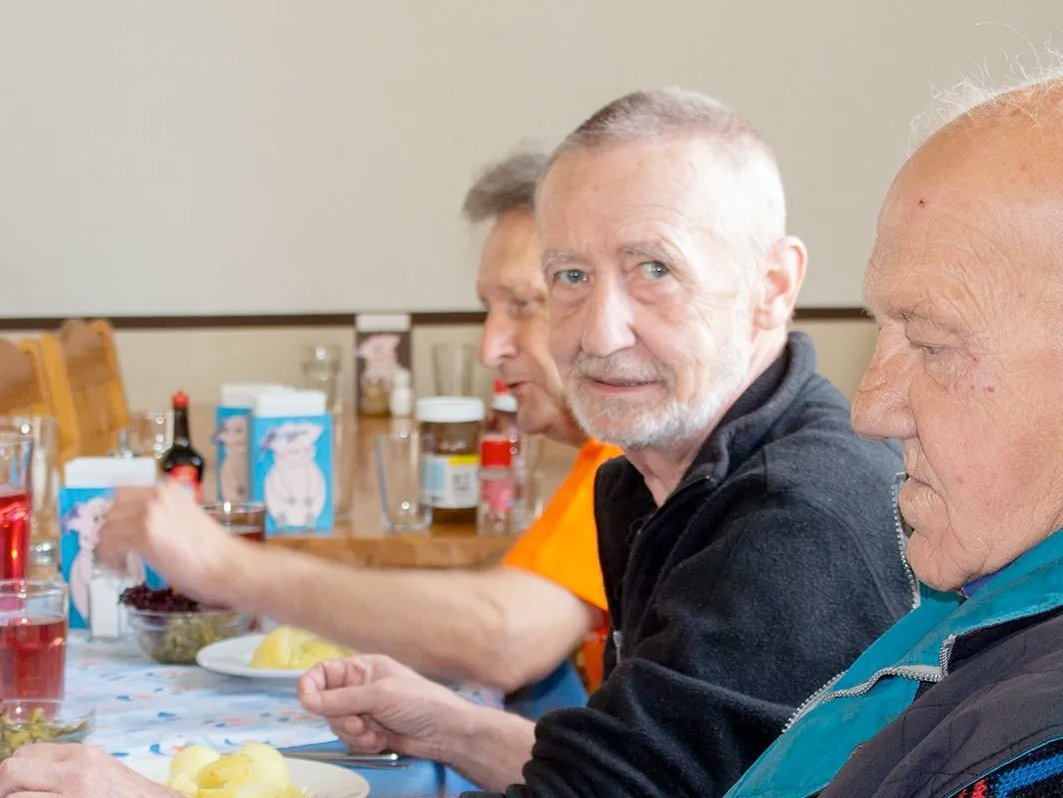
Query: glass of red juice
16, 463
33, 617
244, 519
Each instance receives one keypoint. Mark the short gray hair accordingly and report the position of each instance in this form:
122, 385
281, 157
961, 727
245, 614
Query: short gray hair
753, 217
1019, 84
508, 185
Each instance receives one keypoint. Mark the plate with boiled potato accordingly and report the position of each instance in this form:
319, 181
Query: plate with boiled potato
283, 655
254, 771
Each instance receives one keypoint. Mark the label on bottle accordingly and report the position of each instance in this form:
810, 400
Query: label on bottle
451, 481
188, 476
498, 493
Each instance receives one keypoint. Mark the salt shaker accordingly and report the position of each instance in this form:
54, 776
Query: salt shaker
107, 618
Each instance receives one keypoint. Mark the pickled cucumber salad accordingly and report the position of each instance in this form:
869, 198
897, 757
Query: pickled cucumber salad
16, 732
289, 648
255, 771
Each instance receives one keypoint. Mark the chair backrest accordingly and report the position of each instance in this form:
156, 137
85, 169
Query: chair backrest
86, 385
23, 387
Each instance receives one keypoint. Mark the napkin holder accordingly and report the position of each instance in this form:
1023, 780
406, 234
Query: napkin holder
291, 462
84, 500
232, 421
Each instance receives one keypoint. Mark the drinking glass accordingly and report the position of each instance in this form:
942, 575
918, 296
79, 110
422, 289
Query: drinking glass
452, 369
246, 519
151, 432
321, 366
44, 516
16, 487
398, 463
33, 617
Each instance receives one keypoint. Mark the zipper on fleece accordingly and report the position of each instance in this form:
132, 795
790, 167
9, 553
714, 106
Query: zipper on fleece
921, 673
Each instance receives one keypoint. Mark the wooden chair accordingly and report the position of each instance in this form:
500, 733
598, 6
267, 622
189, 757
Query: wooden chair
83, 375
24, 388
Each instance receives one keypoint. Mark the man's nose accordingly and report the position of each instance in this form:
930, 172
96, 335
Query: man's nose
497, 341
881, 408
609, 324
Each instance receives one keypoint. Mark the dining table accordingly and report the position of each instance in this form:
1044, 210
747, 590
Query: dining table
146, 711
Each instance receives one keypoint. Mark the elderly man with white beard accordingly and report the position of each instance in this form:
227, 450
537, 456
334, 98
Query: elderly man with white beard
748, 538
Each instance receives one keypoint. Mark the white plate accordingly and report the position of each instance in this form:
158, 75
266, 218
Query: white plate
319, 779
233, 656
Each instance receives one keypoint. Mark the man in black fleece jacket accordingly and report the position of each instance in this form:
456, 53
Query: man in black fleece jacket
748, 540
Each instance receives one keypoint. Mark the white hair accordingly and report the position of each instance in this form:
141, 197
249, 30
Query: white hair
1030, 74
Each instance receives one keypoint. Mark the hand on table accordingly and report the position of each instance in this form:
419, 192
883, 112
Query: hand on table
374, 703
164, 525
52, 770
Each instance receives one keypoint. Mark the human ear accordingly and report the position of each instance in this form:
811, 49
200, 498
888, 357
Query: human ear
780, 280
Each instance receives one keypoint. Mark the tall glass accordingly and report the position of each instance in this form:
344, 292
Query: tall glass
32, 638
398, 462
151, 432
321, 366
44, 516
16, 488
452, 369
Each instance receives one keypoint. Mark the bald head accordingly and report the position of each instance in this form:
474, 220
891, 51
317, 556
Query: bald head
966, 283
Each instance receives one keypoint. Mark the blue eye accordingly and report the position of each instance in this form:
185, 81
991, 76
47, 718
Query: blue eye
570, 276
654, 270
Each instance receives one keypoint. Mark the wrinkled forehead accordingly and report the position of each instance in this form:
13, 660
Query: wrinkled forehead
943, 244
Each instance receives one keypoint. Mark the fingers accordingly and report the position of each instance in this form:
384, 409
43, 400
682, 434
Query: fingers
355, 732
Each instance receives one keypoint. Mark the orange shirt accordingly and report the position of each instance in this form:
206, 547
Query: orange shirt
562, 545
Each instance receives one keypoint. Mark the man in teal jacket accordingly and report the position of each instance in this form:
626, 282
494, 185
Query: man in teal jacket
964, 696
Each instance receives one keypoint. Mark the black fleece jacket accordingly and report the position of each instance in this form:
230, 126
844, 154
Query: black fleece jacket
770, 567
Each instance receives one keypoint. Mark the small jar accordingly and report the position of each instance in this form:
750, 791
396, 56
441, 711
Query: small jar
450, 457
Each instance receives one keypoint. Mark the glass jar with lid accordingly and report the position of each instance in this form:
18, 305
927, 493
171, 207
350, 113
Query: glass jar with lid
450, 457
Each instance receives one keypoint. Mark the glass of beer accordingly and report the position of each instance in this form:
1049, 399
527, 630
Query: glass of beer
245, 519
16, 464
33, 617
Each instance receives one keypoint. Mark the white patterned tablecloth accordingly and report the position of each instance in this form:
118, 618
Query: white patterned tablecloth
145, 708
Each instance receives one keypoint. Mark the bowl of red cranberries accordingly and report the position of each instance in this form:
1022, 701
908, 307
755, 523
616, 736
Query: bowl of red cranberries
172, 628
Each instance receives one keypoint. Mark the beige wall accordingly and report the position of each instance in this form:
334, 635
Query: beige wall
261, 156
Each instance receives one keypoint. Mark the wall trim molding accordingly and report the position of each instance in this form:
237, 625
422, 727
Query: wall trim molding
438, 318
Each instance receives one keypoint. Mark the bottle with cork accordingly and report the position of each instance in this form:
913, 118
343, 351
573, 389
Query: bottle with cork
181, 461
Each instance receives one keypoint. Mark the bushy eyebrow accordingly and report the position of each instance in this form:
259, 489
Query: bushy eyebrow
553, 257
653, 250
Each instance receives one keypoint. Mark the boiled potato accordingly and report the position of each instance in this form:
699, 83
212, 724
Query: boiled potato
231, 770
184, 784
190, 759
269, 766
255, 771
296, 649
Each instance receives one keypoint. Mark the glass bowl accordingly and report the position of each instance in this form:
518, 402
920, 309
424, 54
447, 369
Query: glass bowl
176, 637
41, 720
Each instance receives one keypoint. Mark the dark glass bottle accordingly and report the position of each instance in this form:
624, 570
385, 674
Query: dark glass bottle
181, 461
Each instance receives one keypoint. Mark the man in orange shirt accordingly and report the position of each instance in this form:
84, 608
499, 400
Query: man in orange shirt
505, 626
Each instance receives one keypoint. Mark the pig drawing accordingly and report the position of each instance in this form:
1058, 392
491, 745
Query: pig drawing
232, 475
380, 353
85, 518
295, 485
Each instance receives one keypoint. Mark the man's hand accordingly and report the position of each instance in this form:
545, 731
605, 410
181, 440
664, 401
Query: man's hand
373, 703
50, 770
164, 525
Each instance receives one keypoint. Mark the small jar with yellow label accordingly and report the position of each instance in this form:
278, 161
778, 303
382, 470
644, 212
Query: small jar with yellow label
450, 457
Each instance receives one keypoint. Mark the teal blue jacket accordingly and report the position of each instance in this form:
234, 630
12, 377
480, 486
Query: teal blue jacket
884, 680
